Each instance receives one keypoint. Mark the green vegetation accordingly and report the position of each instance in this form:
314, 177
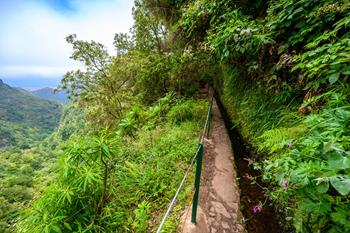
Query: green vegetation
109, 183
24, 173
305, 157
281, 69
24, 121
24, 118
283, 78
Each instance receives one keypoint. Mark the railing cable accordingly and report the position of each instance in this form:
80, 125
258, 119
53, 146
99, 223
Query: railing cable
198, 156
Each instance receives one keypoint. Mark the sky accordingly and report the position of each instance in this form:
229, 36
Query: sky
33, 50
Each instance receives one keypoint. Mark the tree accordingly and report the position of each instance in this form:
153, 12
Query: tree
148, 32
99, 88
123, 43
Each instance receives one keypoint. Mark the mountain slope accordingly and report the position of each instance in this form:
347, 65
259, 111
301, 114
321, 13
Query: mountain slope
25, 118
49, 94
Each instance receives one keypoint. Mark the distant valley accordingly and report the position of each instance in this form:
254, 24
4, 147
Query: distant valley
50, 94
24, 117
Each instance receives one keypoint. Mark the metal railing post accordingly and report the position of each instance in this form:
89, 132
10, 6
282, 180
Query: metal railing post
198, 159
197, 182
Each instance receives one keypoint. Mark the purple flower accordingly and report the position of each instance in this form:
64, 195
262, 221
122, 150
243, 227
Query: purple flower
257, 209
289, 145
249, 160
284, 185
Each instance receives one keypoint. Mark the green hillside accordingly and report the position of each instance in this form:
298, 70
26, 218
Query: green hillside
25, 118
25, 173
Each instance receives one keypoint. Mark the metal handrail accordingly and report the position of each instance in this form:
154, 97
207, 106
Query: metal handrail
176, 194
198, 156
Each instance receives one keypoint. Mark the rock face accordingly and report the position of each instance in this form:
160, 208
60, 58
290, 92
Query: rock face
219, 197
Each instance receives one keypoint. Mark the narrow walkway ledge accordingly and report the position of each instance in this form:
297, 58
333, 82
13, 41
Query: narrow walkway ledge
219, 196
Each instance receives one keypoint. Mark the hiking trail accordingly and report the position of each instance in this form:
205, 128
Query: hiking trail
219, 195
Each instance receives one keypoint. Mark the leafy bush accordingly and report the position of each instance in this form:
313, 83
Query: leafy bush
188, 110
110, 183
306, 162
316, 169
275, 69
238, 37
140, 223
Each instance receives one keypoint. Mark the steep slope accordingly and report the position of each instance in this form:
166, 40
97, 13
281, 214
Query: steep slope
149, 152
25, 118
25, 173
49, 94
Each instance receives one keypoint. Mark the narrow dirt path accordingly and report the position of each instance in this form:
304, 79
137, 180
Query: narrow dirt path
219, 196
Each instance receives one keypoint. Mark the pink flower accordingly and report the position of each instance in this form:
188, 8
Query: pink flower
249, 160
284, 185
257, 209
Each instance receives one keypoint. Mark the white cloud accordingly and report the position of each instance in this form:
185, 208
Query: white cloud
30, 70
32, 34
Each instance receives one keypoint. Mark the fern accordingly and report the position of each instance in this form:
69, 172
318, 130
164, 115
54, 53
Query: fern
280, 138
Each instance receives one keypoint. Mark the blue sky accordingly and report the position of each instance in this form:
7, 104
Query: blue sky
32, 32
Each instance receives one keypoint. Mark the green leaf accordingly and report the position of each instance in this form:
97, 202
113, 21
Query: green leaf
105, 150
66, 225
337, 161
340, 216
56, 228
323, 186
341, 184
328, 146
346, 163
346, 72
333, 78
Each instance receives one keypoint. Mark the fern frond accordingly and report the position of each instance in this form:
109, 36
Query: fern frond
277, 139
